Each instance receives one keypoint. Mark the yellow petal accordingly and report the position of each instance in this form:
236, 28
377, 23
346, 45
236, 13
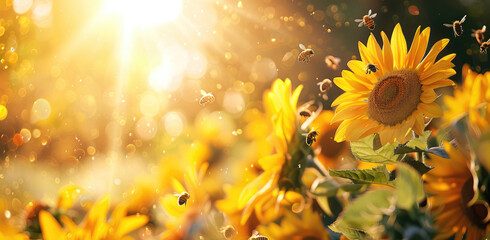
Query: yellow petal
422, 46
434, 51
358, 84
129, 224
348, 97
441, 65
387, 53
438, 84
178, 187
413, 50
340, 135
271, 161
399, 47
350, 113
432, 110
428, 96
444, 74
50, 227
359, 68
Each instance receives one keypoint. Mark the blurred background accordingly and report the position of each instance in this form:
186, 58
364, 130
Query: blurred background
104, 93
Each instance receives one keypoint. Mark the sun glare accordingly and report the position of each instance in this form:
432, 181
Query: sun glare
146, 12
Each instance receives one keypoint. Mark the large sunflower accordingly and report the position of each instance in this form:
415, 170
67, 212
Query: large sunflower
470, 99
393, 100
453, 194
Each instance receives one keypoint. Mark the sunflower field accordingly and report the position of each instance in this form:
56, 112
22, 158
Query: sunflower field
244, 119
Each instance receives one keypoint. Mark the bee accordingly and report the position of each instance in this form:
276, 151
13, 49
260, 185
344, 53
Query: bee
228, 231
182, 198
306, 54
305, 113
256, 236
458, 30
332, 62
484, 46
367, 20
371, 68
206, 98
325, 85
311, 137
478, 34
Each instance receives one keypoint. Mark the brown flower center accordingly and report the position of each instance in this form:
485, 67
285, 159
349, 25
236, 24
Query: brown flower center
395, 97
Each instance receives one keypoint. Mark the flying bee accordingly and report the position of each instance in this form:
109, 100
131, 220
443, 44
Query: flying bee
182, 198
311, 137
256, 236
306, 54
305, 113
325, 85
478, 34
371, 68
332, 62
206, 98
457, 28
367, 20
484, 46
228, 231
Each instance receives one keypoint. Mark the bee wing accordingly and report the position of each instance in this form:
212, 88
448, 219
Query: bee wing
361, 24
302, 46
358, 20
484, 28
255, 233
373, 16
447, 25
463, 19
337, 60
203, 92
369, 12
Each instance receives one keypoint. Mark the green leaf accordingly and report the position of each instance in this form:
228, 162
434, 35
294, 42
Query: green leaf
364, 150
419, 166
359, 218
439, 151
330, 188
410, 190
379, 175
419, 142
350, 233
326, 188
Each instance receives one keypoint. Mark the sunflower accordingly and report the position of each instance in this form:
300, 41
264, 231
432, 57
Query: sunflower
470, 99
280, 182
94, 226
453, 194
393, 100
307, 226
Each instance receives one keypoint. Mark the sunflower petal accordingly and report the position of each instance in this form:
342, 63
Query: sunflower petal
399, 47
434, 51
359, 68
428, 96
413, 49
432, 110
443, 74
387, 53
422, 46
351, 112
348, 97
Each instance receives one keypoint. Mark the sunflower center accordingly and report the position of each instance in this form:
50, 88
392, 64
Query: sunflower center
395, 97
